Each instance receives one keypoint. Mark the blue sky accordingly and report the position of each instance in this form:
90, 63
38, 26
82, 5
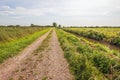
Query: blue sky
64, 12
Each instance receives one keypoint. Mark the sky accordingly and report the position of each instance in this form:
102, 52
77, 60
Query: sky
64, 12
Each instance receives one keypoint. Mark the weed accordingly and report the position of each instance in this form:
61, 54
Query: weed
23, 69
45, 78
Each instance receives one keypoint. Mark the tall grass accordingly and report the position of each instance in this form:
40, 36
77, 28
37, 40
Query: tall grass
12, 33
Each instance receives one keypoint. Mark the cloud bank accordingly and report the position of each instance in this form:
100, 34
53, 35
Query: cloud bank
65, 12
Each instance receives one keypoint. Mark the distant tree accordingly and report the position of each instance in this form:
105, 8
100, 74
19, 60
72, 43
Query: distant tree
11, 26
17, 25
32, 25
48, 26
59, 26
54, 24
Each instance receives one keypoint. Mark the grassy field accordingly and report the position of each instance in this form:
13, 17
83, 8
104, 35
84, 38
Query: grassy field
89, 61
109, 35
13, 40
13, 33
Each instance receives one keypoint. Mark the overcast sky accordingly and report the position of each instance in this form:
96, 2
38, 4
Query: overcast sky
64, 12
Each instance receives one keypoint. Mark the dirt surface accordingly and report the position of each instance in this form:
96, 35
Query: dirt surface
11, 64
58, 67
48, 64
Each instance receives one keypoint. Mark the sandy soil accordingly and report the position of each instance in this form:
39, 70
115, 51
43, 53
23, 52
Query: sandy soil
48, 64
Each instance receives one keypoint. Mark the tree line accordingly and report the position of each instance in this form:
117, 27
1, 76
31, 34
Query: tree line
54, 24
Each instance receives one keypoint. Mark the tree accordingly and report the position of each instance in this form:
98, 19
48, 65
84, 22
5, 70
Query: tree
11, 26
17, 25
59, 26
32, 25
54, 24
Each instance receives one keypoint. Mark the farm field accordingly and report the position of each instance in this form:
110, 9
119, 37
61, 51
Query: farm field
109, 35
35, 53
59, 39
88, 60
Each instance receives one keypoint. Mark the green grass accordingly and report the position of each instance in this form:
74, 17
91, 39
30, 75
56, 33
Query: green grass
45, 78
12, 48
89, 61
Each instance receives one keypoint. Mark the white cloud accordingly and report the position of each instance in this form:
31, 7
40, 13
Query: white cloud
5, 7
63, 8
20, 11
118, 7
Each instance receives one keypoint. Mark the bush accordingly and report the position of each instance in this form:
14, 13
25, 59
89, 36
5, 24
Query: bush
115, 41
102, 62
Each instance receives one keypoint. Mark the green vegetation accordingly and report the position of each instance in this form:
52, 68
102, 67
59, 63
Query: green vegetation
89, 61
45, 78
110, 35
12, 33
9, 49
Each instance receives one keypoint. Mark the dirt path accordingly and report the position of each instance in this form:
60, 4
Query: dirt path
58, 67
11, 64
46, 64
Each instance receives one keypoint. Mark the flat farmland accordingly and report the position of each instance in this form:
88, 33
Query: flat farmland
59, 53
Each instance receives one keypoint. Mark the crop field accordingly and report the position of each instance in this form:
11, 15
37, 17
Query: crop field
29, 53
109, 35
88, 60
